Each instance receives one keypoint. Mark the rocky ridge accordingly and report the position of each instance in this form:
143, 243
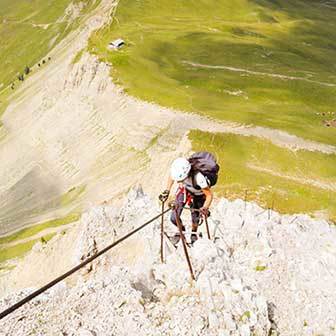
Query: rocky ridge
263, 273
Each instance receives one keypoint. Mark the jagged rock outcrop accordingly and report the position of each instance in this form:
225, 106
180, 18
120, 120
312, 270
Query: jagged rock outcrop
263, 273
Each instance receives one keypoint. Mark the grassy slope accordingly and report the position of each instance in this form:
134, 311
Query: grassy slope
292, 38
24, 43
20, 250
33, 230
272, 174
250, 43
28, 31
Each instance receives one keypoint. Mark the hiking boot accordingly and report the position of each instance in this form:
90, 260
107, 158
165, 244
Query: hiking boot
175, 239
193, 238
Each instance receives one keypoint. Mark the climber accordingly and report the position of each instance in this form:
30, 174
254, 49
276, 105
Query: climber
195, 177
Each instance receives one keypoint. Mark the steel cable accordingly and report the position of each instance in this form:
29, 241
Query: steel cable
76, 268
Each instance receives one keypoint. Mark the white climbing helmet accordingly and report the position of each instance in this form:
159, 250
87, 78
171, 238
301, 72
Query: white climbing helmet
180, 169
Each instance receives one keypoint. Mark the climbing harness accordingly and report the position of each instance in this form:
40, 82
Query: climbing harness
187, 197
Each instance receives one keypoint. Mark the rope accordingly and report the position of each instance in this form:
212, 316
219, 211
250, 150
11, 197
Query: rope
76, 268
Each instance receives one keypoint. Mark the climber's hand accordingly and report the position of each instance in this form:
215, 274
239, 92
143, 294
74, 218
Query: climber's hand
164, 196
172, 204
205, 212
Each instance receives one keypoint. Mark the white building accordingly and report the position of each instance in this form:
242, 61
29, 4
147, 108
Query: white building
117, 44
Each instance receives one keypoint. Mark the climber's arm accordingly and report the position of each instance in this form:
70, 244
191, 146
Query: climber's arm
208, 197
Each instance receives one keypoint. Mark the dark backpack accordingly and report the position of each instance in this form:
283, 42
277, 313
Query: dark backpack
205, 163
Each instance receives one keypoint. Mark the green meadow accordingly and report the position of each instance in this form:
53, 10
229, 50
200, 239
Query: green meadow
256, 170
28, 233
28, 31
33, 230
266, 63
260, 62
19, 249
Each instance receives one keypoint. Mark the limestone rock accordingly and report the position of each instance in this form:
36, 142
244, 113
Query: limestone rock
261, 275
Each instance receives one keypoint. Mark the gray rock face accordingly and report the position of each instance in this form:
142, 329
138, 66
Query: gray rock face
289, 259
262, 273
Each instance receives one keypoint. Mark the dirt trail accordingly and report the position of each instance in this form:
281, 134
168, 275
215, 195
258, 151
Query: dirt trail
258, 73
38, 235
277, 137
308, 181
